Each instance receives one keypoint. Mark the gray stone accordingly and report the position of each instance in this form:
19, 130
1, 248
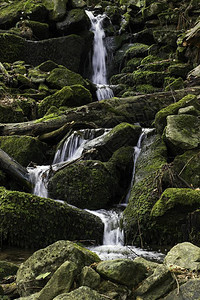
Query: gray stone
46, 261
188, 291
182, 133
60, 282
89, 277
82, 293
185, 255
156, 285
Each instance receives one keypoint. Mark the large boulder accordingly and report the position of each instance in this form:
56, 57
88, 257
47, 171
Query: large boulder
36, 271
24, 149
122, 271
70, 96
182, 133
40, 221
67, 50
60, 77
93, 184
170, 214
184, 255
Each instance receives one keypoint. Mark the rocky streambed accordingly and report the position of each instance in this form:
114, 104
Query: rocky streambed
47, 94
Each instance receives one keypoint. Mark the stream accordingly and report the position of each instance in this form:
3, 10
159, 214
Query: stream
72, 147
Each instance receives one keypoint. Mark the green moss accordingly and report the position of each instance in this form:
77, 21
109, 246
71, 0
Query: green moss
177, 84
173, 197
161, 116
14, 45
24, 149
179, 70
60, 77
10, 112
34, 222
145, 192
7, 269
145, 88
187, 166
60, 98
148, 77
137, 50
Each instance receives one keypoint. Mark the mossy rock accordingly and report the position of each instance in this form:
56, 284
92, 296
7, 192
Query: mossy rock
166, 37
154, 9
179, 70
47, 66
70, 96
38, 30
60, 77
145, 89
156, 66
122, 135
14, 46
187, 166
161, 116
145, 192
149, 77
75, 22
7, 269
37, 10
89, 277
59, 10
85, 184
10, 112
174, 198
175, 84
78, 3
24, 149
122, 271
137, 50
170, 213
40, 221
182, 133
47, 261
188, 290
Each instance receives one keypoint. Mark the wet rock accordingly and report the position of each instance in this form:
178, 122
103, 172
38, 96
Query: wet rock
114, 290
42, 265
121, 135
122, 271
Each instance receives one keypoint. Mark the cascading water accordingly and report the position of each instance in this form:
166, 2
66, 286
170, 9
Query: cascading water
70, 149
113, 240
99, 76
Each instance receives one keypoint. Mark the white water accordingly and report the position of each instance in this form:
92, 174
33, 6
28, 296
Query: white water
70, 149
99, 76
113, 240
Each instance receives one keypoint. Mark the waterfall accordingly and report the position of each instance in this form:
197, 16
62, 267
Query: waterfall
137, 150
113, 234
99, 76
70, 149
